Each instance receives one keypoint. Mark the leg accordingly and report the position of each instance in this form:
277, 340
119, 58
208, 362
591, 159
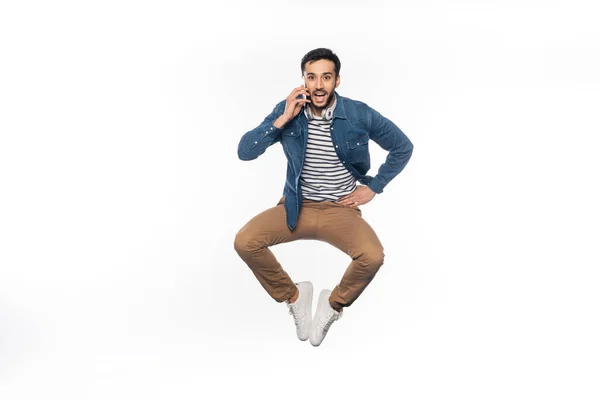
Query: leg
267, 229
344, 228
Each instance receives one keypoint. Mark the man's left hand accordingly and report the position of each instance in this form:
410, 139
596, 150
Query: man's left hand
361, 195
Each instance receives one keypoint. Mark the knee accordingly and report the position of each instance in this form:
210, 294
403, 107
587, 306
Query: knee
372, 259
241, 243
246, 243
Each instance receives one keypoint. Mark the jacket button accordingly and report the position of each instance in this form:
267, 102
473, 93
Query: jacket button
255, 142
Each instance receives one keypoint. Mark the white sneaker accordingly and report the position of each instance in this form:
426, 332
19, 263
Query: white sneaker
324, 317
301, 309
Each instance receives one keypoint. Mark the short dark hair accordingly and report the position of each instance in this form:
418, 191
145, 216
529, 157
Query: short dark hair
321, 54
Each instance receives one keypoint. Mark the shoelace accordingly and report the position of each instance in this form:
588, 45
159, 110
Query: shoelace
294, 313
330, 319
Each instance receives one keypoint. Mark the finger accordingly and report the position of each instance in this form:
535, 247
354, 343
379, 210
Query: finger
298, 97
299, 90
296, 92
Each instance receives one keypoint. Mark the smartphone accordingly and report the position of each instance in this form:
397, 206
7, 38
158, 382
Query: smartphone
305, 96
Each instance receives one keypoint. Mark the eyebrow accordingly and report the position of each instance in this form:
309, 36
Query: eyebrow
324, 73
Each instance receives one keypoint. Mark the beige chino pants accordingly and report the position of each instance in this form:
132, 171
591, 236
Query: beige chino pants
338, 225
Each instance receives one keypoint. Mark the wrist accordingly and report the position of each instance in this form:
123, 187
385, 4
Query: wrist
281, 121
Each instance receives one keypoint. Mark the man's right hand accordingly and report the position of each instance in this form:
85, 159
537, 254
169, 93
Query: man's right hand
292, 106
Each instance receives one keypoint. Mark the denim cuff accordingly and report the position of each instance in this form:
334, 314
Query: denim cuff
272, 131
375, 185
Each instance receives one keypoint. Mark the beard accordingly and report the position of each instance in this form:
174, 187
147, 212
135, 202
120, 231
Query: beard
327, 101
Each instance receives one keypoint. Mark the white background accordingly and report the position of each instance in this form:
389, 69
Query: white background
121, 193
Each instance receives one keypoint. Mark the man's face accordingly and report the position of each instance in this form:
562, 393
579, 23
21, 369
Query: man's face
320, 80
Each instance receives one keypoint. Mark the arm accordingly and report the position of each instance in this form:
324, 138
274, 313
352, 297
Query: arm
256, 141
389, 137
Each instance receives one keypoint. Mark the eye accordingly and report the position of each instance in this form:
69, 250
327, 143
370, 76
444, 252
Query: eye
327, 77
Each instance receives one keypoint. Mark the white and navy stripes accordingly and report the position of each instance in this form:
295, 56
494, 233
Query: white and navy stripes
323, 176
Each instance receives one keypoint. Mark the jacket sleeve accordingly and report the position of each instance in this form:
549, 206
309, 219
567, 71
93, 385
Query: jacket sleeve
389, 137
256, 141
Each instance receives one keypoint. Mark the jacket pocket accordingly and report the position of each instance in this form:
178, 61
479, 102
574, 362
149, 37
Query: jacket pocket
291, 143
291, 132
357, 141
358, 148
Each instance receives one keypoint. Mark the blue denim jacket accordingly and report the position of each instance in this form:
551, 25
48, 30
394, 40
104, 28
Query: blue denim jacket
353, 124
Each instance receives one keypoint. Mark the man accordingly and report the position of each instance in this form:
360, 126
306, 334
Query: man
325, 139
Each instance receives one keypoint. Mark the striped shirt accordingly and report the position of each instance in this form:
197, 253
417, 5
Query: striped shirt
323, 176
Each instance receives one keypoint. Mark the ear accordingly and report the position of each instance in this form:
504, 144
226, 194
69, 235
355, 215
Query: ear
337, 81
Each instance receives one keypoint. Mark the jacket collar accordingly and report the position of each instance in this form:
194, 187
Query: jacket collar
340, 111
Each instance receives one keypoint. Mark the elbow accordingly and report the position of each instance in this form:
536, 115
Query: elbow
408, 148
404, 153
245, 155
242, 155
409, 152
